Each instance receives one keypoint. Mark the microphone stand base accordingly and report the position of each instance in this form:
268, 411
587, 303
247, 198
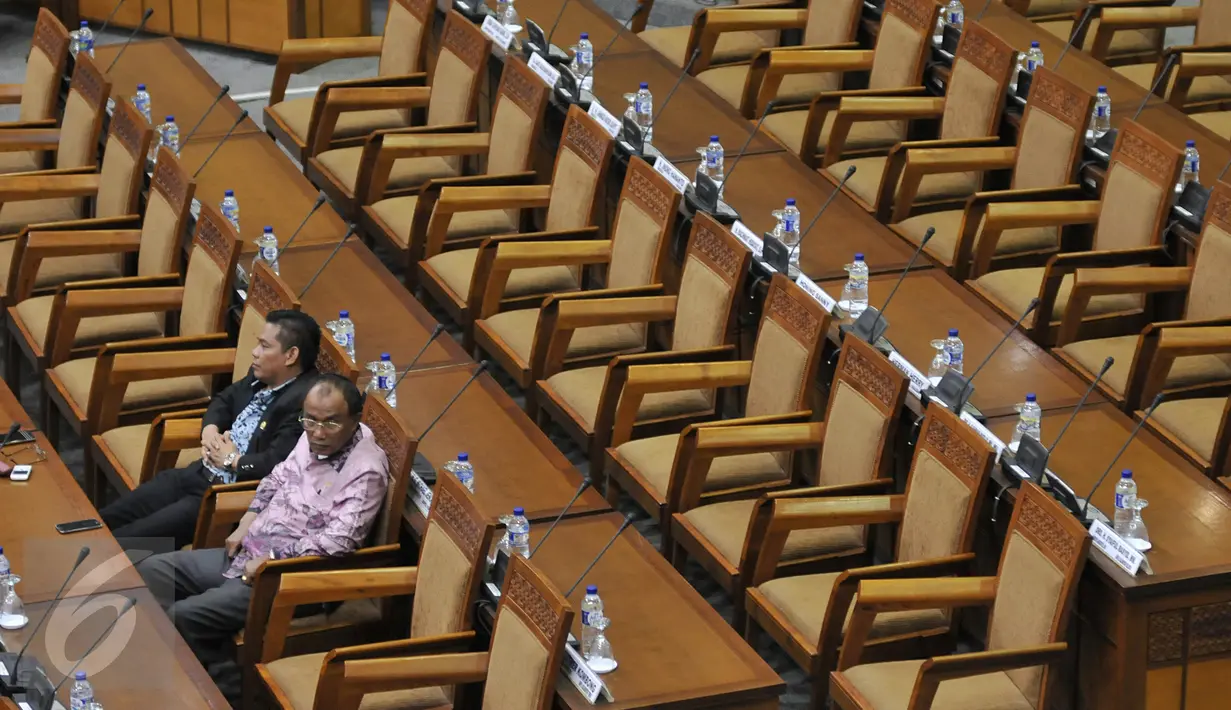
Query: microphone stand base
882, 344
583, 97
473, 10
424, 469
930, 395
554, 55
723, 213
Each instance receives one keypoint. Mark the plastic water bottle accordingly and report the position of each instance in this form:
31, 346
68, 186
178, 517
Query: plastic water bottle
643, 106
954, 350
1192, 166
82, 694
5, 568
462, 468
141, 100
507, 14
229, 207
715, 156
1028, 422
1126, 501
169, 135
787, 230
267, 250
386, 375
955, 14
1100, 120
519, 533
82, 40
1034, 57
590, 604
344, 333
583, 61
855, 292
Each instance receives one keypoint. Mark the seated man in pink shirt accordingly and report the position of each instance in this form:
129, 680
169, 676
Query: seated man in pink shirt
322, 500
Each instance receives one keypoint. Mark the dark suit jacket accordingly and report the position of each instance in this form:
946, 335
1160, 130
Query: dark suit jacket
278, 431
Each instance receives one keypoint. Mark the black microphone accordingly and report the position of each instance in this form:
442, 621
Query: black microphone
16, 663
226, 88
349, 231
871, 324
52, 698
1077, 28
440, 328
769, 105
633, 134
1031, 456
483, 365
776, 253
1153, 405
108, 20
581, 488
1223, 172
320, 200
696, 54
8, 437
243, 115
628, 520
570, 91
552, 32
144, 19
956, 389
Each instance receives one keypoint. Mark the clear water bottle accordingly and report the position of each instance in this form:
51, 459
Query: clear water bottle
169, 135
81, 694
267, 250
462, 468
954, 351
386, 375
141, 101
583, 61
5, 568
1126, 501
1017, 72
344, 333
1100, 120
507, 14
519, 533
643, 108
1034, 57
591, 606
82, 40
955, 14
855, 292
715, 158
787, 230
1192, 166
94, 706
1028, 422
229, 207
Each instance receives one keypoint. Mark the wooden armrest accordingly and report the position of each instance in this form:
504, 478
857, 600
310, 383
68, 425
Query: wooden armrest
470, 199
920, 162
1144, 18
583, 313
910, 594
40, 245
882, 108
341, 585
802, 61
1137, 256
641, 380
402, 145
323, 49
999, 217
29, 139
457, 642
1204, 64
42, 186
1088, 283
830, 512
963, 665
516, 254
10, 93
938, 566
180, 434
1178, 342
344, 100
738, 19
71, 305
405, 673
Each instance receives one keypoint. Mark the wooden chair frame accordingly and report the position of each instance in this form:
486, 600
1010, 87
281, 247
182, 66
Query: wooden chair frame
52, 39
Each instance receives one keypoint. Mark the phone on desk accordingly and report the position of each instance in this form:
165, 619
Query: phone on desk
21, 473
78, 526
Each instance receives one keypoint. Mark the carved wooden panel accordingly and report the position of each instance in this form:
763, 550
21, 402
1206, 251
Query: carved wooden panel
520, 85
1059, 97
454, 518
525, 599
129, 128
920, 14
870, 376
50, 37
714, 247
327, 359
1165, 636
389, 434
1210, 630
170, 180
787, 306
585, 138
418, 8
1218, 209
465, 40
953, 451
1040, 525
265, 294
986, 51
89, 82
649, 191
1146, 154
216, 237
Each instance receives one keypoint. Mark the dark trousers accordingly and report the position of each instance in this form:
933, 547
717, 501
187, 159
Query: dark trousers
206, 607
164, 507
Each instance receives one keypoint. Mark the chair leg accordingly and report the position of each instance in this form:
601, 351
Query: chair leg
51, 419
96, 482
739, 616
12, 360
679, 557
820, 692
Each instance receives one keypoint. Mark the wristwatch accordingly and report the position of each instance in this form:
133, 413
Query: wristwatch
229, 460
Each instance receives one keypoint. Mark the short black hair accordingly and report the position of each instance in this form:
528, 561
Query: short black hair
337, 383
297, 330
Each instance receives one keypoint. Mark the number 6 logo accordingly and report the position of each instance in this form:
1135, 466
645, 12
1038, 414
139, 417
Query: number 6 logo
76, 607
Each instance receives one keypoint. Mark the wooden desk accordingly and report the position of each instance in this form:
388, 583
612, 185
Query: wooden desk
674, 650
577, 18
143, 664
1158, 640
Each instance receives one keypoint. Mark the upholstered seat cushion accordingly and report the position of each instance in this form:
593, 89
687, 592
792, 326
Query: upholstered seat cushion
296, 678
1193, 421
1217, 121
867, 181
399, 212
343, 165
725, 526
888, 686
672, 43
788, 128
653, 458
804, 601
1014, 288
728, 82
62, 269
296, 115
35, 315
456, 268
19, 214
516, 329
944, 241
1204, 88
19, 161
581, 389
78, 375
127, 446
1191, 370
1122, 42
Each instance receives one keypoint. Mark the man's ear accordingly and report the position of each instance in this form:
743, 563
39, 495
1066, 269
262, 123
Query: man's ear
291, 355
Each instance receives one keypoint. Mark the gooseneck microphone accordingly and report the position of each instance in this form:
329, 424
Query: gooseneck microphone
641, 6
581, 488
320, 200
696, 54
349, 231
243, 115
985, 6
628, 520
769, 106
1031, 456
226, 89
968, 387
633, 134
850, 172
556, 23
8, 436
871, 324
50, 703
144, 19
440, 328
110, 16
483, 366
1158, 399
11, 684
1077, 28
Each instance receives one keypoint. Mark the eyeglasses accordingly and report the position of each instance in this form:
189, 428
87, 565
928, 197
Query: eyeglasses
25, 452
310, 424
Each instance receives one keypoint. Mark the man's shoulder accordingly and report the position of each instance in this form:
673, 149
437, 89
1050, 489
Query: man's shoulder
296, 389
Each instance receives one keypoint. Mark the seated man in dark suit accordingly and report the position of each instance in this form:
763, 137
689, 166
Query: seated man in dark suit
249, 428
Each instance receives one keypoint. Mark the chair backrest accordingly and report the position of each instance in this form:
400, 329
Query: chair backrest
1214, 23
904, 43
643, 224
211, 267
332, 359
119, 180
398, 442
408, 23
831, 21
461, 64
517, 118
45, 66
945, 485
1052, 133
266, 292
1209, 295
975, 95
452, 560
167, 206
1137, 190
528, 640
581, 165
713, 277
863, 413
1044, 553
83, 116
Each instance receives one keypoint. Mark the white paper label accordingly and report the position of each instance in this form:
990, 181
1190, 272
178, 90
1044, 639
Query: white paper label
194, 209
1117, 548
583, 679
984, 433
812, 289
918, 382
605, 118
549, 74
497, 32
4, 670
420, 494
678, 180
110, 106
750, 239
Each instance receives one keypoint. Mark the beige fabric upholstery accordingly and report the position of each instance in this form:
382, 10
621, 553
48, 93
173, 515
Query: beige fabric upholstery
443, 584
653, 459
1203, 88
40, 86
571, 200
517, 666
452, 89
581, 389
35, 315
1194, 422
729, 81
1122, 42
776, 385
512, 134
804, 601
20, 162
1014, 288
853, 428
343, 165
204, 295
456, 269
127, 445
1191, 370
19, 214
830, 22
634, 248
1209, 295
77, 376
78, 140
296, 115
1028, 597
672, 43
399, 50
935, 511
788, 127
898, 65
1043, 159
1130, 210
1217, 121
949, 222
700, 318
725, 526
398, 214
867, 181
114, 197
888, 686
971, 104
159, 237
517, 329
296, 677
53, 272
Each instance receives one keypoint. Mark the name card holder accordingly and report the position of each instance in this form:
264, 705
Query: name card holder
984, 433
586, 681
495, 30
545, 71
678, 180
918, 382
1119, 550
605, 118
420, 494
811, 288
749, 238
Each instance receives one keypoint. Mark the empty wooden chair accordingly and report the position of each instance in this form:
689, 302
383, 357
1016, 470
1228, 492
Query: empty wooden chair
1198, 425
38, 94
677, 43
1125, 47
75, 142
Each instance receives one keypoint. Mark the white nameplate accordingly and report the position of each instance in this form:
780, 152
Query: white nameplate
420, 494
605, 118
4, 671
1117, 548
755, 244
549, 74
497, 32
984, 433
583, 679
195, 209
110, 106
918, 382
812, 289
678, 180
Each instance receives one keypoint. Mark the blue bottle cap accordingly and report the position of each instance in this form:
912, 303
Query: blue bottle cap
592, 589
1126, 473
519, 511
1, 550
858, 256
268, 229
953, 332
790, 202
80, 675
1034, 45
1102, 89
85, 24
170, 119
228, 193
463, 456
585, 35
1030, 397
385, 357
140, 87
1191, 144
645, 84
344, 314
713, 139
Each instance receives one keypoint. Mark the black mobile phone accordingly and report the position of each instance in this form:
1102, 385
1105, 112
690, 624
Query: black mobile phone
78, 526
